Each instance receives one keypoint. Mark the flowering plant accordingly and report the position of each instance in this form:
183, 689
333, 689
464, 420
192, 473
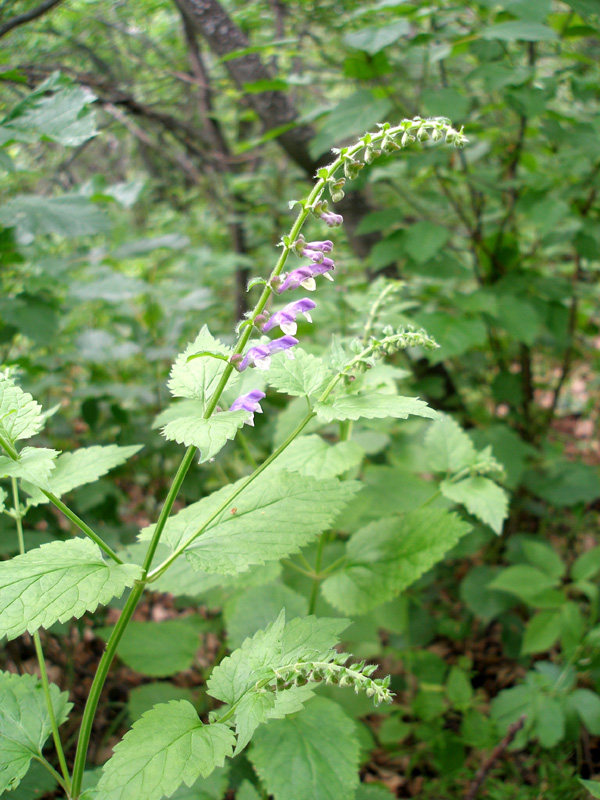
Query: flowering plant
269, 515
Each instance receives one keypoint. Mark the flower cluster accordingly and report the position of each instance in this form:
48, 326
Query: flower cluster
352, 160
334, 672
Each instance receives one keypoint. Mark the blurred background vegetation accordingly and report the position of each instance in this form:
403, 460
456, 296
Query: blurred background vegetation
148, 153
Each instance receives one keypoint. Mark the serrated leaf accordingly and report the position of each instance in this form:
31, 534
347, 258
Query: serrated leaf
25, 724
68, 216
61, 117
448, 447
235, 680
318, 747
34, 464
56, 582
20, 415
197, 379
275, 516
593, 787
372, 406
276, 646
301, 376
481, 497
587, 705
208, 435
388, 555
312, 455
82, 466
168, 746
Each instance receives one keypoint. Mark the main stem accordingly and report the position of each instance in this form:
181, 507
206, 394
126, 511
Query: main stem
66, 782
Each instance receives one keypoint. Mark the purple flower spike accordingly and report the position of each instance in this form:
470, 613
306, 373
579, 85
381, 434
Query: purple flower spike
286, 318
260, 356
330, 219
305, 276
249, 402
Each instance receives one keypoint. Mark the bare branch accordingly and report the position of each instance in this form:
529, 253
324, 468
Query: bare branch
27, 16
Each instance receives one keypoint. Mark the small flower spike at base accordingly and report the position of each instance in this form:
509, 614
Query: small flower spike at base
249, 402
260, 356
286, 318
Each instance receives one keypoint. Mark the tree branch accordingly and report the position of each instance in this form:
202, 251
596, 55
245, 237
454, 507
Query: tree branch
27, 16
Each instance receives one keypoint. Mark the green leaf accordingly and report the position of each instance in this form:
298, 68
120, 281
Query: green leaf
312, 455
143, 698
565, 483
388, 555
423, 240
481, 497
208, 435
303, 375
372, 406
593, 787
56, 582
252, 609
157, 648
212, 788
448, 447
372, 40
518, 318
587, 705
25, 724
234, 681
247, 792
69, 216
197, 379
34, 464
479, 598
550, 722
278, 645
20, 416
520, 31
82, 466
459, 689
542, 632
168, 746
318, 747
587, 565
544, 557
524, 582
61, 117
275, 516
352, 116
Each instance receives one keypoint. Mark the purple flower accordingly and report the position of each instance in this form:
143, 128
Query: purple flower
249, 402
330, 219
324, 247
286, 318
305, 276
260, 356
317, 257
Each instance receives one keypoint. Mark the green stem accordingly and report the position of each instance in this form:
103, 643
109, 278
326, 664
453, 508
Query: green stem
71, 515
91, 705
156, 573
13, 453
56, 775
66, 783
293, 565
314, 592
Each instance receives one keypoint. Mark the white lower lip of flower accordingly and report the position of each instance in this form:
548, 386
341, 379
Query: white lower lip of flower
309, 284
289, 327
263, 363
307, 316
328, 276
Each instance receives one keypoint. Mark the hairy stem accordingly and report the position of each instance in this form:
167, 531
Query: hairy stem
66, 781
